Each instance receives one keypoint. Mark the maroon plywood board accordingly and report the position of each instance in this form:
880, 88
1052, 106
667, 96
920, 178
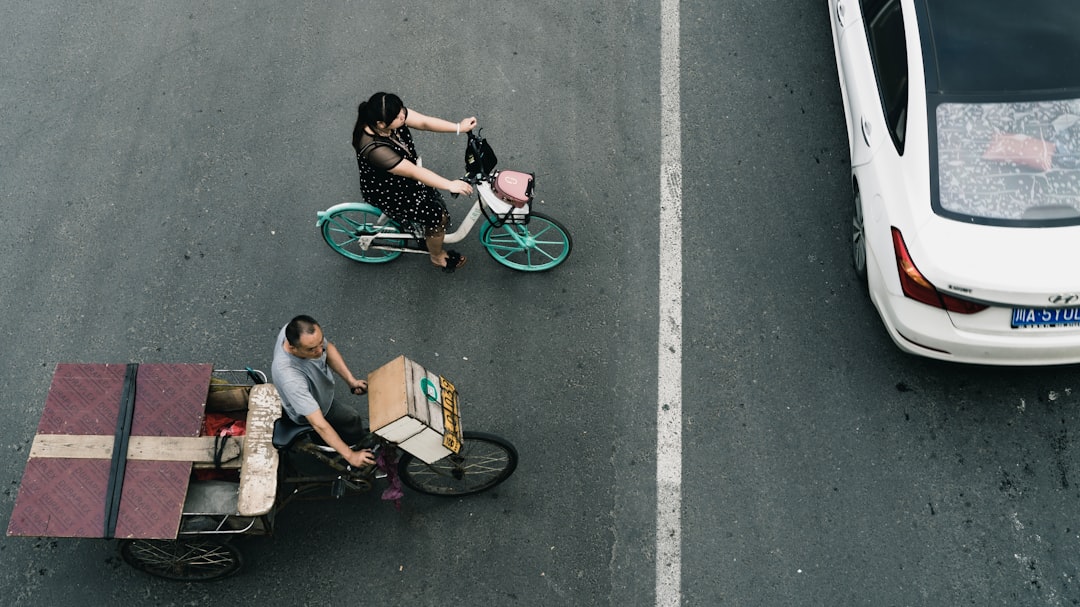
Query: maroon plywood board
153, 499
169, 399
83, 399
62, 497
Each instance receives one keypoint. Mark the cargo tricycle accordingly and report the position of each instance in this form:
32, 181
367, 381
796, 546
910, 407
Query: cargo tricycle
178, 460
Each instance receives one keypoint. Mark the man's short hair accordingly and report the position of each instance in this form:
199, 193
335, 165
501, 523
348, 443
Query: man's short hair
301, 325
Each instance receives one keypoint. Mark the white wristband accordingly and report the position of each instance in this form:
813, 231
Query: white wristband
457, 129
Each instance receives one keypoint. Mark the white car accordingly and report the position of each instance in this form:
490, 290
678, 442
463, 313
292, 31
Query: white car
964, 129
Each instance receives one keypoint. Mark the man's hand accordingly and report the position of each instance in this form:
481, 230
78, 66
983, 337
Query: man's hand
358, 387
359, 459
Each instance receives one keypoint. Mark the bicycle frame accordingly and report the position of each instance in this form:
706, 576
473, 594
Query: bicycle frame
486, 198
331, 480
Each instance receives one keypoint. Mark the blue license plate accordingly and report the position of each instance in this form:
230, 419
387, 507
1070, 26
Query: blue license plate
1045, 317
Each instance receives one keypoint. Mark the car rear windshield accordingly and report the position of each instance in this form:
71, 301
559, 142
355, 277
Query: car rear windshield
1009, 162
991, 46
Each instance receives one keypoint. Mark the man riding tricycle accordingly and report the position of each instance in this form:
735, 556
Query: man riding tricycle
178, 460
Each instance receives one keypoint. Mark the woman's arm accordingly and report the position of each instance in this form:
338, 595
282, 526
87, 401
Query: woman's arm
417, 120
407, 168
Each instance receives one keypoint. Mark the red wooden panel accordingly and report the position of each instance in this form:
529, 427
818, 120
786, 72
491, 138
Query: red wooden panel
61, 498
169, 399
153, 499
83, 399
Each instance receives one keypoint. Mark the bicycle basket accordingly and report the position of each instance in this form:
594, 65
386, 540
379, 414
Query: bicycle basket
503, 212
480, 159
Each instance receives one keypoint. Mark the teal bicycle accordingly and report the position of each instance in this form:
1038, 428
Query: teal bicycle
512, 233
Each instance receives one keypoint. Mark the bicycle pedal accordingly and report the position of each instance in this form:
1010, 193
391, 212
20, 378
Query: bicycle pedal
337, 488
380, 474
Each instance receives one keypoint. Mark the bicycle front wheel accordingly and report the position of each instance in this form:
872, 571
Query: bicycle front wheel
539, 245
343, 228
485, 460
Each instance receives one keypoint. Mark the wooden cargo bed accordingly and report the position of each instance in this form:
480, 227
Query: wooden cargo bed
77, 485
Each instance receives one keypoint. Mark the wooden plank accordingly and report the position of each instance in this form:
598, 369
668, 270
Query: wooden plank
197, 449
259, 467
75, 446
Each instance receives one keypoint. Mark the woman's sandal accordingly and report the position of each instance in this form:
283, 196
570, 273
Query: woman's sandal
454, 260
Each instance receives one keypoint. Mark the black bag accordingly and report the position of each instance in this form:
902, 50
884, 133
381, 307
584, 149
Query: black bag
480, 159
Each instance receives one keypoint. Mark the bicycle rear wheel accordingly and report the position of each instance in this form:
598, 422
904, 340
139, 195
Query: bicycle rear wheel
186, 560
485, 461
539, 245
343, 228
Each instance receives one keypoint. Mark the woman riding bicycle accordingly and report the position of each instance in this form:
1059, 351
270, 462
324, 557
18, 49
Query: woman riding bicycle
392, 179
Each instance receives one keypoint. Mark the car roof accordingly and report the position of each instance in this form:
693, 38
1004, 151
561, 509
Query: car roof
1000, 46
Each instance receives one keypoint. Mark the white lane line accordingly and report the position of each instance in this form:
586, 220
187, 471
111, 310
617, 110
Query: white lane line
669, 364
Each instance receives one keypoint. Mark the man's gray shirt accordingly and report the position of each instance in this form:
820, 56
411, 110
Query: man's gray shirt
304, 384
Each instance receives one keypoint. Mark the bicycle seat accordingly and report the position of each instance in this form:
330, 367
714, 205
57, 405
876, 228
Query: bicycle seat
287, 432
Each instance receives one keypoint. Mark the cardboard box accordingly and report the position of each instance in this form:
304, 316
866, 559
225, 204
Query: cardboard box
414, 408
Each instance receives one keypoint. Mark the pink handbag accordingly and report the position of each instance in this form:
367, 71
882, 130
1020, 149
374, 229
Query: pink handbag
514, 187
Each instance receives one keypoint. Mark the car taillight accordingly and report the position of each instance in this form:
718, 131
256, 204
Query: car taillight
918, 288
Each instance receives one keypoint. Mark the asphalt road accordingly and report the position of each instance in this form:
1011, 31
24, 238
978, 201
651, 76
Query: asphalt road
160, 171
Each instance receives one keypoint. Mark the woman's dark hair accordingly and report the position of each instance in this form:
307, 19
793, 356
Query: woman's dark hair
381, 107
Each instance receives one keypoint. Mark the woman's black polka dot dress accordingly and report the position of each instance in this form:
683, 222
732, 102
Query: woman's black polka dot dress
415, 206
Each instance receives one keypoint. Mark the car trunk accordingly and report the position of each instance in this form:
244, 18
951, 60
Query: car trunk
1004, 265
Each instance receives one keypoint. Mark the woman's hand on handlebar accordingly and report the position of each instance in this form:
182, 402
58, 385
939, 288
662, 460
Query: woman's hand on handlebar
460, 186
359, 459
466, 124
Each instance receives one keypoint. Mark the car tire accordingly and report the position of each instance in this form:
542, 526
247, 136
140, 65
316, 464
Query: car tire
858, 237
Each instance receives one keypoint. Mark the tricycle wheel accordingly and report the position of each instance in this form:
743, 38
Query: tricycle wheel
186, 560
485, 460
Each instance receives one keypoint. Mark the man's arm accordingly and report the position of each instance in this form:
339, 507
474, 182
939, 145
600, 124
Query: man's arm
337, 365
333, 440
